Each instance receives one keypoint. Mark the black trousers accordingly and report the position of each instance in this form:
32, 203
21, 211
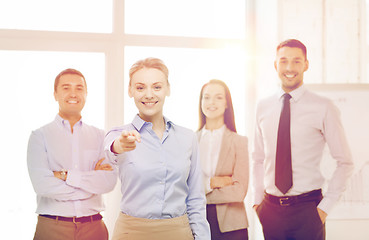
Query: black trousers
216, 234
298, 221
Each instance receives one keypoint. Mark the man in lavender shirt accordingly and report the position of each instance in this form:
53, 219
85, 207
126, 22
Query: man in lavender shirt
66, 166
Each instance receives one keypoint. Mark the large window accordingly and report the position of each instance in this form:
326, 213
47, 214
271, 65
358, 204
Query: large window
57, 15
198, 40
191, 18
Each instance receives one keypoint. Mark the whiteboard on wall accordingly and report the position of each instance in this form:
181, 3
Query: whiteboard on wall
353, 103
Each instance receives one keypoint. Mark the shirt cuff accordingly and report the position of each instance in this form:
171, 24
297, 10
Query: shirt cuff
326, 205
74, 178
258, 198
207, 185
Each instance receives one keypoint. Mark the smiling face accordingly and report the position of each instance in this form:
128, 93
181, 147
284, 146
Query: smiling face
71, 95
291, 65
148, 88
214, 102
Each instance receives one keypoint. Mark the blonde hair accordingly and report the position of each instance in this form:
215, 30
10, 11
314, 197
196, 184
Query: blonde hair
149, 63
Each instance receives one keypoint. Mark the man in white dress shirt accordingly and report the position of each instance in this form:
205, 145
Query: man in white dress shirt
300, 210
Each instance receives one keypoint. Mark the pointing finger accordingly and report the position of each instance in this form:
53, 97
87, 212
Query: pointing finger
137, 135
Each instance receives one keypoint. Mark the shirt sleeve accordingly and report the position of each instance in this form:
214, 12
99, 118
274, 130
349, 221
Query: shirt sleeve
236, 192
258, 157
95, 181
336, 140
196, 201
112, 157
42, 177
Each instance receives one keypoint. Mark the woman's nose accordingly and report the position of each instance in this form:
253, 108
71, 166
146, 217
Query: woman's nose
148, 93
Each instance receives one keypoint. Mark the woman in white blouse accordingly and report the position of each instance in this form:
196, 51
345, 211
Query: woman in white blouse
225, 163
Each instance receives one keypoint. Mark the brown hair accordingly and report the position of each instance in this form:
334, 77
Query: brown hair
293, 43
228, 113
65, 72
149, 63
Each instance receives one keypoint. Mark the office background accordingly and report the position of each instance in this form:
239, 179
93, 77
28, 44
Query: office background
231, 40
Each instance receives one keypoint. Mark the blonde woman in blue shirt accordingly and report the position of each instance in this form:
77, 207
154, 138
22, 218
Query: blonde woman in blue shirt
225, 163
162, 193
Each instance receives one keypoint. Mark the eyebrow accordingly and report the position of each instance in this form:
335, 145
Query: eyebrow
217, 94
68, 85
292, 58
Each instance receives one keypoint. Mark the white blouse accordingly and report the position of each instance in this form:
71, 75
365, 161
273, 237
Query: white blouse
210, 145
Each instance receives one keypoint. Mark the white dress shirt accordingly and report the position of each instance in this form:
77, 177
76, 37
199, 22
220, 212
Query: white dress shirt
314, 121
210, 145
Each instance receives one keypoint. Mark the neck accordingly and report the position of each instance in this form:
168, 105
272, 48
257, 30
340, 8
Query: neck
158, 124
212, 124
72, 119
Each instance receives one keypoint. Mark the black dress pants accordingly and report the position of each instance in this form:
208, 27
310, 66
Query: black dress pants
216, 234
299, 221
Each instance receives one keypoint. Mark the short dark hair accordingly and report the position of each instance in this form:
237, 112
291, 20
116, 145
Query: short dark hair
228, 113
293, 43
65, 72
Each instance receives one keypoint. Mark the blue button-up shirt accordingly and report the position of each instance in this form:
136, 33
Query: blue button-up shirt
54, 147
161, 178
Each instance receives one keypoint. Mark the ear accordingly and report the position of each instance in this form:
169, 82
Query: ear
168, 91
306, 65
55, 96
275, 65
130, 91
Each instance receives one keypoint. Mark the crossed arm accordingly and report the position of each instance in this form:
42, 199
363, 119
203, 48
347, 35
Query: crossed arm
99, 166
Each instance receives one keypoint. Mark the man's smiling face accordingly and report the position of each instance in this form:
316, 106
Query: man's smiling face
290, 65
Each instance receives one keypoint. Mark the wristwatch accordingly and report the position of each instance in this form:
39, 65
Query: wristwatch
63, 174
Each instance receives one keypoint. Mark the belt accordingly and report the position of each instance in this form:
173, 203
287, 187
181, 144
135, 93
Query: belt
315, 195
75, 219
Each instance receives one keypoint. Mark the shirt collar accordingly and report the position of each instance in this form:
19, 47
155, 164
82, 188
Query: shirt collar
218, 131
138, 123
295, 94
63, 121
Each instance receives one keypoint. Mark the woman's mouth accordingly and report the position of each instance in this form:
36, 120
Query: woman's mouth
212, 108
149, 104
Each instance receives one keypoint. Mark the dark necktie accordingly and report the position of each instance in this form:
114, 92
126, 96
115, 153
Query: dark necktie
283, 166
